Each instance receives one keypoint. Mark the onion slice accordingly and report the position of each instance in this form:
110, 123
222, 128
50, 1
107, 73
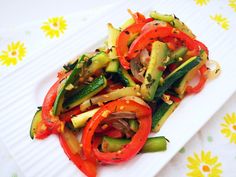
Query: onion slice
120, 115
137, 69
144, 57
214, 69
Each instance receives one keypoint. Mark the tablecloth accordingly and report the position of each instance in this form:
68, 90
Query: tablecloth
211, 152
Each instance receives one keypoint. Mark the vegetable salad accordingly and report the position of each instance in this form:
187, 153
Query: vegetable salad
117, 94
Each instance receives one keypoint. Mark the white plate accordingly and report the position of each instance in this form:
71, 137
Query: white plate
22, 91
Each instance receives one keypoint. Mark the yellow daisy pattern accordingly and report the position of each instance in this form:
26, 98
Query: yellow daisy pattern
232, 4
220, 20
14, 53
229, 127
54, 27
204, 165
201, 2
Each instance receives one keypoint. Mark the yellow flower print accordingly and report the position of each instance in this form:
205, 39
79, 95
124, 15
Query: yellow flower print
222, 21
201, 2
54, 26
232, 4
203, 165
229, 127
14, 53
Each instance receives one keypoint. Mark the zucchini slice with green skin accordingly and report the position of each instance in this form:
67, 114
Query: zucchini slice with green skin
83, 69
153, 144
125, 78
181, 85
154, 72
113, 34
161, 115
70, 65
162, 17
99, 61
113, 95
86, 92
36, 119
177, 74
69, 81
174, 56
113, 66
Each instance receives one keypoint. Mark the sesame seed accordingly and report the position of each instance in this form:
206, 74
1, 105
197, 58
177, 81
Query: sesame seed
90, 79
137, 86
180, 59
104, 126
122, 107
105, 113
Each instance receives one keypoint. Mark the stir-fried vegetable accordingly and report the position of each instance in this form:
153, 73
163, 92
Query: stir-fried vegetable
101, 94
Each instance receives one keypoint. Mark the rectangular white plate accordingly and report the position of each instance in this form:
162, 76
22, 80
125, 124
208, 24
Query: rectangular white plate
22, 91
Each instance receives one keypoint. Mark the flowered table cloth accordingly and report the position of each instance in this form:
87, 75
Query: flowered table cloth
211, 152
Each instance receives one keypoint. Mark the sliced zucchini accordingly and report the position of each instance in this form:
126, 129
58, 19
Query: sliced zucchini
153, 144
113, 66
36, 119
87, 92
175, 55
70, 80
113, 34
80, 120
180, 85
162, 17
161, 115
113, 144
177, 74
71, 64
113, 95
99, 61
125, 78
154, 73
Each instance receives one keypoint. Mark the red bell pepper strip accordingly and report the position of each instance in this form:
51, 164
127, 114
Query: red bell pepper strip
201, 83
122, 41
172, 43
52, 122
144, 116
66, 117
202, 46
113, 133
89, 168
153, 34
